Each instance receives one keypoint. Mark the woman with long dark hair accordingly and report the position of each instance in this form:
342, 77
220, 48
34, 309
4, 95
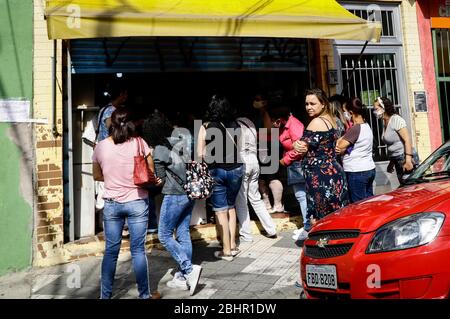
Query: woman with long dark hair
225, 166
113, 163
172, 152
358, 163
326, 187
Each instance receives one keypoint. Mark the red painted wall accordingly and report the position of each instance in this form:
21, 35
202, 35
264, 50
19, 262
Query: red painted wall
426, 48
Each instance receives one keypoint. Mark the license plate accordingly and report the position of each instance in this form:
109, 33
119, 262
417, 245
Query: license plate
321, 276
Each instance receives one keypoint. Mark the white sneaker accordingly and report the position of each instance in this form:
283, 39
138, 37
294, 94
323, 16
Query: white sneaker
178, 282
301, 235
193, 277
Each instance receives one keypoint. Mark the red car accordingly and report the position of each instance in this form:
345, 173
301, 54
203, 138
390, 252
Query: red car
395, 245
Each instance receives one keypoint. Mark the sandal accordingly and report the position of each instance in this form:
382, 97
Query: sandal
220, 255
235, 251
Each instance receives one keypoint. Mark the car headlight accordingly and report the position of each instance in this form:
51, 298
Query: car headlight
407, 232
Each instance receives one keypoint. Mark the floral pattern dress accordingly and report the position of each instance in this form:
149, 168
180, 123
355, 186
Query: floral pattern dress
326, 186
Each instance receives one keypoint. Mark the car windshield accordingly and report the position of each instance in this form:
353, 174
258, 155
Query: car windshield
437, 166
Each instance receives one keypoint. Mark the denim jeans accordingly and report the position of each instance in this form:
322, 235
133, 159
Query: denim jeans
226, 187
360, 184
175, 216
300, 194
114, 215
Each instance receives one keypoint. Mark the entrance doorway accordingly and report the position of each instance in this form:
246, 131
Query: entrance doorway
171, 75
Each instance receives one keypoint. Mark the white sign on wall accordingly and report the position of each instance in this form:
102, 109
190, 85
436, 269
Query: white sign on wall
14, 111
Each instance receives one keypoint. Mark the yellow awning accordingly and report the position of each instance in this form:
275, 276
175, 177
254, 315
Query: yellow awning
319, 19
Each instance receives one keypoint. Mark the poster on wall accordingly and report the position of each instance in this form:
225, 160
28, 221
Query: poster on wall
420, 101
14, 111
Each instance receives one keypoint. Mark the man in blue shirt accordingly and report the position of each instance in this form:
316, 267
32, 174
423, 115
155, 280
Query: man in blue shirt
119, 95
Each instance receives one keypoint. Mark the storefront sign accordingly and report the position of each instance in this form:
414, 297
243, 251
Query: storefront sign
420, 101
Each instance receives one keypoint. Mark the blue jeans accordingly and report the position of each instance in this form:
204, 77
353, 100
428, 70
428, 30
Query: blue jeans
360, 184
175, 216
226, 187
300, 194
114, 215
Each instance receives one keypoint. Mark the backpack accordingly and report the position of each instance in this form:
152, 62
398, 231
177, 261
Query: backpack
92, 129
199, 182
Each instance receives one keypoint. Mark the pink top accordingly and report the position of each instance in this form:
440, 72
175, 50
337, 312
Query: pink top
292, 131
117, 163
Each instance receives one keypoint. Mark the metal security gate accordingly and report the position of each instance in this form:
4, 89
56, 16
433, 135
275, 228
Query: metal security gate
375, 75
379, 71
441, 48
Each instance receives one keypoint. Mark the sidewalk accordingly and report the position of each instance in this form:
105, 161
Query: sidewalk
265, 269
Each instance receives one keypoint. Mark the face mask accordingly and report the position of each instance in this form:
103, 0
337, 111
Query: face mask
347, 116
378, 113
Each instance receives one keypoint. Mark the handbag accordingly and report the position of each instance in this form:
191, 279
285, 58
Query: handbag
142, 175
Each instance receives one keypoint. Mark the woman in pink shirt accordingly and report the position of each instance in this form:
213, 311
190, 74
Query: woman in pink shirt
113, 163
291, 129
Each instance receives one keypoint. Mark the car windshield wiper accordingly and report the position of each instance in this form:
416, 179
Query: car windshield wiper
441, 173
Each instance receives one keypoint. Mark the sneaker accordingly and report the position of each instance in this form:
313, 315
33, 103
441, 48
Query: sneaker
193, 277
301, 235
220, 255
178, 282
152, 231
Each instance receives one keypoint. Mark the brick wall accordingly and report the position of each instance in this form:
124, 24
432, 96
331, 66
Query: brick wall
49, 236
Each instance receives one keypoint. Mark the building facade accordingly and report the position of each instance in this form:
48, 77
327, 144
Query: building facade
49, 163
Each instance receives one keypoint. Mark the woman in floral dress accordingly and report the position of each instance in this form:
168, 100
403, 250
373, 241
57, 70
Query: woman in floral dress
326, 187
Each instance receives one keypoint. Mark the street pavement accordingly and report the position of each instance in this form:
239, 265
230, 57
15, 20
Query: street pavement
265, 269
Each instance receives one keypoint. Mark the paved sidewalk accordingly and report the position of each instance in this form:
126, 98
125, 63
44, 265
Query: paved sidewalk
265, 269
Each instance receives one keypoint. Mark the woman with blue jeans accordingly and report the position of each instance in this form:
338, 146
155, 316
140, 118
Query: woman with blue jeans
226, 169
176, 209
357, 145
113, 163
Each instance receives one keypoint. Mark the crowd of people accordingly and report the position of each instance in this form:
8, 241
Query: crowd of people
328, 158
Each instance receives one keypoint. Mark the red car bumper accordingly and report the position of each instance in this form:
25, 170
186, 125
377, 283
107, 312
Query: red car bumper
421, 272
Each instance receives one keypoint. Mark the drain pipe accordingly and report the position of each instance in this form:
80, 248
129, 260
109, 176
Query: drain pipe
55, 127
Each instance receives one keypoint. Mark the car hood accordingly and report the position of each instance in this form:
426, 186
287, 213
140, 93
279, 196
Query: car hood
370, 214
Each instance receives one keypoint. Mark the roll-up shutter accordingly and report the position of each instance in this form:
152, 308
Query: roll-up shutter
173, 54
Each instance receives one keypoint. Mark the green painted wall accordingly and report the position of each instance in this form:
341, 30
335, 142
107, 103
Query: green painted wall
16, 80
